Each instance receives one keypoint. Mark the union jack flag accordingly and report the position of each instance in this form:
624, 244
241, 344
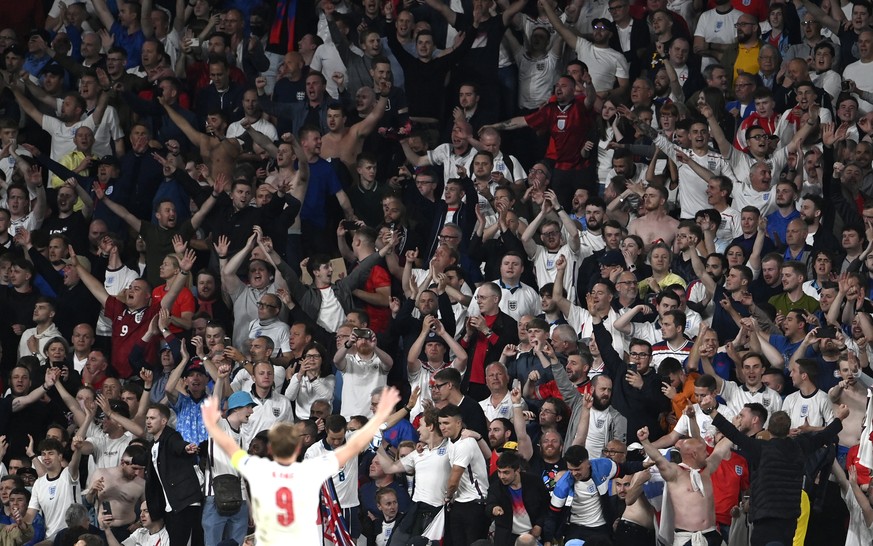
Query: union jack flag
330, 517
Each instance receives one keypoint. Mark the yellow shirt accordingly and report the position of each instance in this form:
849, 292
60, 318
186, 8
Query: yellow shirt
70, 161
747, 59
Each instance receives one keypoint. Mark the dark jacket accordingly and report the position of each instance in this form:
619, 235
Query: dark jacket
778, 465
639, 43
177, 477
641, 407
534, 496
506, 329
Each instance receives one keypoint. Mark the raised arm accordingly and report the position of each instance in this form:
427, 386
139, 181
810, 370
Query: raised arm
358, 441
667, 469
24, 102
94, 285
195, 136
103, 13
566, 32
119, 210
228, 272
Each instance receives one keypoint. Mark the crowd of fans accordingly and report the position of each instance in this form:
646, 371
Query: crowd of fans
618, 258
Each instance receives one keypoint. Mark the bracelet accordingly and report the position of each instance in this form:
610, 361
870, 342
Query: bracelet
518, 405
407, 408
183, 272
45, 388
560, 210
347, 344
223, 257
216, 195
146, 389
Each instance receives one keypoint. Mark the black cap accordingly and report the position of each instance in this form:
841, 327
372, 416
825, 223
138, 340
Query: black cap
16, 50
53, 68
433, 337
612, 257
109, 160
41, 32
605, 22
196, 366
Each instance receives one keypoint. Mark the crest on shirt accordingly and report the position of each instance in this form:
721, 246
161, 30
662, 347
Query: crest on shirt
562, 124
738, 469
766, 402
719, 25
712, 165
275, 412
138, 316
513, 305
599, 422
441, 451
592, 489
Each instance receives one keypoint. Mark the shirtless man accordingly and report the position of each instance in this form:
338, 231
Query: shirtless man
293, 181
636, 524
655, 225
689, 484
218, 152
123, 487
347, 142
853, 393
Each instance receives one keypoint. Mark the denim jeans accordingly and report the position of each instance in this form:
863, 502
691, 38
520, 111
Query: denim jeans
217, 527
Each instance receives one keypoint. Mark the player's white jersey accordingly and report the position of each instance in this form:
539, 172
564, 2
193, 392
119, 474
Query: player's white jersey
286, 498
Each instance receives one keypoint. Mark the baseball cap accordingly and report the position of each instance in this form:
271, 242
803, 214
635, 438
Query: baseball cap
433, 337
196, 366
15, 49
508, 446
610, 26
42, 33
108, 160
240, 399
575, 542
53, 68
612, 257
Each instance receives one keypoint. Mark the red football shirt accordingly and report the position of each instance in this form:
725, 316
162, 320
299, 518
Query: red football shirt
568, 128
128, 327
729, 480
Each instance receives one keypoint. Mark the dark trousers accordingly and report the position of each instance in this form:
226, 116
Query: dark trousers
465, 524
184, 524
628, 533
773, 531
587, 533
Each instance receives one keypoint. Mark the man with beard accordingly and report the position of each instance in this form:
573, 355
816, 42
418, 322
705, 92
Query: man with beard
705, 387
122, 486
209, 300
62, 129
604, 423
591, 269
794, 274
68, 222
828, 357
656, 225
636, 516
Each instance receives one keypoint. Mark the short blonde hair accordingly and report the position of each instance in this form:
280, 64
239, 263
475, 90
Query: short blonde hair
284, 439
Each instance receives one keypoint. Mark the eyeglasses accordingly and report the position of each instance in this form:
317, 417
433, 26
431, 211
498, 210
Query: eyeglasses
601, 27
437, 386
261, 305
738, 25
312, 356
806, 23
639, 355
441, 236
539, 171
625, 282
762, 137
